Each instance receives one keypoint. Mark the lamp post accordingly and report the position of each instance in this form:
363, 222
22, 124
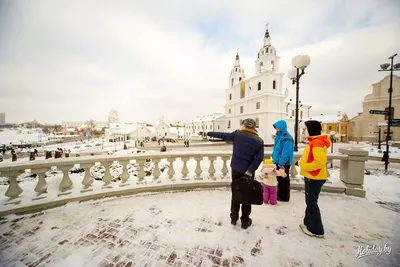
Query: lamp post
332, 135
384, 67
379, 136
299, 62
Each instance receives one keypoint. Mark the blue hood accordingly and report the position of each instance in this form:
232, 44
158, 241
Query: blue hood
281, 124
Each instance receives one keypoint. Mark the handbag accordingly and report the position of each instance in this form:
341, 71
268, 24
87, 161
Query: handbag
247, 192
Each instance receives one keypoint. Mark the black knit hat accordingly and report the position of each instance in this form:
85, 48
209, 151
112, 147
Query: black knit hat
314, 128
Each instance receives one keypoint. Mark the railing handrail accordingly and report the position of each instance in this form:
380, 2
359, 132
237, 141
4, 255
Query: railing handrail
45, 163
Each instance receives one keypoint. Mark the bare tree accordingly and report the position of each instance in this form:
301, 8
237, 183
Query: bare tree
90, 124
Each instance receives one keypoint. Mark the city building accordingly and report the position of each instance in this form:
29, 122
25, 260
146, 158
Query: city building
210, 123
365, 126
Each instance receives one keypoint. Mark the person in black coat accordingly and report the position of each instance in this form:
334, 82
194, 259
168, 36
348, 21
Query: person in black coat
248, 153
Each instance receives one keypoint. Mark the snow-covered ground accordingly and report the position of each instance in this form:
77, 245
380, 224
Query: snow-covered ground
193, 229
18, 136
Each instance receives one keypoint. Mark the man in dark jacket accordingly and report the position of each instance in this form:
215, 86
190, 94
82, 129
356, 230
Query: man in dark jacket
247, 155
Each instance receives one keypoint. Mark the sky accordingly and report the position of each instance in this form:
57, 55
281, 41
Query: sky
76, 60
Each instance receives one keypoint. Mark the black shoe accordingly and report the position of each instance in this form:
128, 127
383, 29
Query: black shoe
247, 225
233, 222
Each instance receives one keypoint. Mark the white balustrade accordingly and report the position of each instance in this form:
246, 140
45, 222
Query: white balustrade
211, 169
88, 179
125, 174
141, 173
185, 170
156, 171
66, 182
41, 186
40, 167
171, 171
198, 168
14, 190
224, 167
107, 179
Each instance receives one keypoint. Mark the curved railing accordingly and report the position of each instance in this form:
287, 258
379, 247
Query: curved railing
185, 170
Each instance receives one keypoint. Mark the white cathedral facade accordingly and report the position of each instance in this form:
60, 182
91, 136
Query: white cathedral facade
261, 97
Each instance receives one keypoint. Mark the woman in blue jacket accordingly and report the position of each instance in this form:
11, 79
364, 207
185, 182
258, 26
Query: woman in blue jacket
282, 156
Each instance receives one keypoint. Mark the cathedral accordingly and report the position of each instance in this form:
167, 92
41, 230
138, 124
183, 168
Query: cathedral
261, 97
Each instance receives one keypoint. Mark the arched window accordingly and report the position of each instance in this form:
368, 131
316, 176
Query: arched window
232, 81
273, 84
257, 123
242, 90
229, 124
241, 121
230, 96
267, 49
240, 78
259, 86
261, 66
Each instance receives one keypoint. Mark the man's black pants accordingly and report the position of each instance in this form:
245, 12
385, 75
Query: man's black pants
235, 208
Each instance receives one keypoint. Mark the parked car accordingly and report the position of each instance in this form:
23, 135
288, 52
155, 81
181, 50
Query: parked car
88, 145
77, 147
98, 144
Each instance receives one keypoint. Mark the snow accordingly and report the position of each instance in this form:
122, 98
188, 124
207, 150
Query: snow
16, 137
373, 151
193, 227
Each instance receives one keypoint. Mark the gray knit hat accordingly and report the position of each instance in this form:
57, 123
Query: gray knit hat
249, 123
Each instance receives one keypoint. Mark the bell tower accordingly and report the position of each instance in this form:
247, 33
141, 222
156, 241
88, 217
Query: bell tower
267, 60
237, 73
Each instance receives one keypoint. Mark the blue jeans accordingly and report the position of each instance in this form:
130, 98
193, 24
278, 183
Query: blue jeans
312, 218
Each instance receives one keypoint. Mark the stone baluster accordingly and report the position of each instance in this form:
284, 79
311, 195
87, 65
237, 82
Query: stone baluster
141, 173
185, 170
198, 170
224, 167
211, 169
13, 190
41, 186
125, 174
107, 179
66, 182
87, 179
171, 171
156, 171
293, 170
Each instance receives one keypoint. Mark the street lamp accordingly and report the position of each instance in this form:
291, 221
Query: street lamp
379, 136
332, 135
299, 62
385, 67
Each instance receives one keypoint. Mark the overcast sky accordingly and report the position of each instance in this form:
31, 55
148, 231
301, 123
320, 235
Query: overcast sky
75, 60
